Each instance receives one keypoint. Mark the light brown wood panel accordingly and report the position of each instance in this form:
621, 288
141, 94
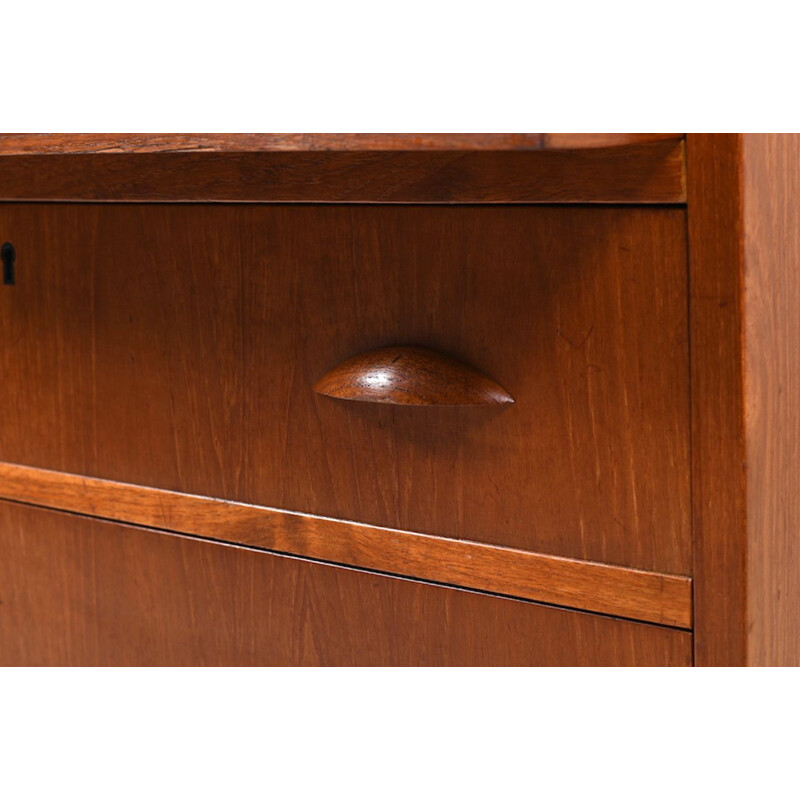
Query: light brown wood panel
745, 299
51, 143
648, 596
178, 347
76, 591
771, 185
649, 172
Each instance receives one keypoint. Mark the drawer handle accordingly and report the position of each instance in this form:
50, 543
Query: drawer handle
410, 376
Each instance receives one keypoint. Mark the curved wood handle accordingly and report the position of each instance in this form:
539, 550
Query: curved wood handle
410, 376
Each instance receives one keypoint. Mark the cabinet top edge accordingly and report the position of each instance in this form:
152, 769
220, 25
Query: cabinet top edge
87, 143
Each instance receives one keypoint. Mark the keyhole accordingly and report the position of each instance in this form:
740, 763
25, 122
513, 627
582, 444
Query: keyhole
7, 254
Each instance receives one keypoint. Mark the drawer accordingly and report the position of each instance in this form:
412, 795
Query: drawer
178, 346
77, 591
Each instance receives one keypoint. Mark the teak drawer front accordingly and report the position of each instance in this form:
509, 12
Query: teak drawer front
77, 591
178, 346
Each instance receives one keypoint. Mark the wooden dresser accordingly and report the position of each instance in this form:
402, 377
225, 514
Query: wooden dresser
446, 399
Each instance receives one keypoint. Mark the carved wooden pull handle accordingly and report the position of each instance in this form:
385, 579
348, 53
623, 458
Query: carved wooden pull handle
411, 376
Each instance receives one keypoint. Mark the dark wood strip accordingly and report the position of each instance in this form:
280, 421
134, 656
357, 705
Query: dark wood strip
642, 173
718, 439
618, 591
30, 143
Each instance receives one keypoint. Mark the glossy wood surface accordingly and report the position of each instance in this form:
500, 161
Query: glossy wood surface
718, 441
410, 376
745, 297
83, 592
178, 346
51, 143
648, 596
651, 172
771, 186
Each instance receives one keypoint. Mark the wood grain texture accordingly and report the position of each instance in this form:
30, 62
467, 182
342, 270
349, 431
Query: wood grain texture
640, 173
745, 299
579, 141
51, 143
718, 436
178, 346
81, 592
410, 376
647, 596
771, 186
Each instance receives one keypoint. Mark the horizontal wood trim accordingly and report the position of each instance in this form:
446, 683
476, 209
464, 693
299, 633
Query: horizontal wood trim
29, 143
641, 173
582, 141
618, 591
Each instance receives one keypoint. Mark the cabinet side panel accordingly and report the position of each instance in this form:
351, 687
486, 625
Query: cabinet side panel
772, 395
719, 522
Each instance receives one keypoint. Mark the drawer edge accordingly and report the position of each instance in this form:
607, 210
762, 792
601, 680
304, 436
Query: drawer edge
588, 586
641, 172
